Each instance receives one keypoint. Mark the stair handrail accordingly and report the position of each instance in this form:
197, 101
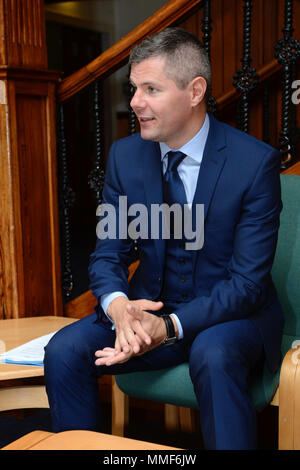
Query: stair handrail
117, 54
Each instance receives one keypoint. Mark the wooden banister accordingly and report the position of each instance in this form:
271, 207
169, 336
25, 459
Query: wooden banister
115, 56
293, 170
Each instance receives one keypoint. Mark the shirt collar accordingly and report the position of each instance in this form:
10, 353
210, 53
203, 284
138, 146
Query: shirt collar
193, 148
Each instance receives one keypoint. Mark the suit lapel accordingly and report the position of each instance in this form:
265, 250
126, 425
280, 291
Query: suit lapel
214, 157
212, 164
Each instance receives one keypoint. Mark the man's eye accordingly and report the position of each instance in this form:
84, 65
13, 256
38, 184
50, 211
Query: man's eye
152, 89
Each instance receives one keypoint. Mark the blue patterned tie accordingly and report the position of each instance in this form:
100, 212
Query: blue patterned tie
174, 191
173, 186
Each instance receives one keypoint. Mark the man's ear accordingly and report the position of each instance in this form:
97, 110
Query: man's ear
198, 88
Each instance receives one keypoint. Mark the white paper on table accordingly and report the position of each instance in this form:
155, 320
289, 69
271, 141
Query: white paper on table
30, 353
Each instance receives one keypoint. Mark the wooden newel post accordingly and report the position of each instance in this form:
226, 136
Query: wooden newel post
29, 236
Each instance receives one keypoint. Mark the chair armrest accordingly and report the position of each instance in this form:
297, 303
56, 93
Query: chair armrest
289, 401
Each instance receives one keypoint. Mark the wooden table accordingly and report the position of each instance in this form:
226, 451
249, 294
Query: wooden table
13, 333
80, 440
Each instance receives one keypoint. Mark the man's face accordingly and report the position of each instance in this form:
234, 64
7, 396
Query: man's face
163, 110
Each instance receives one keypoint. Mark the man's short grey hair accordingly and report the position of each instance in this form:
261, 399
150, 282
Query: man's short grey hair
185, 56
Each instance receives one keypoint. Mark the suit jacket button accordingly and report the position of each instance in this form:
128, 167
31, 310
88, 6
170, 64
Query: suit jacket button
184, 295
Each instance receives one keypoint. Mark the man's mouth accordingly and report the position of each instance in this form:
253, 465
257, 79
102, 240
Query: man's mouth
146, 119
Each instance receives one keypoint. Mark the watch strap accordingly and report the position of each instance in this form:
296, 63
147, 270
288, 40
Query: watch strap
171, 335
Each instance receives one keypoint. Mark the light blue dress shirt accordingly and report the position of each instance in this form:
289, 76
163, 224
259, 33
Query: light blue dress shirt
188, 171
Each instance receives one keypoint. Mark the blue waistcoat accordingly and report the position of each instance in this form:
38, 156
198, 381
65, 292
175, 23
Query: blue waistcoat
177, 279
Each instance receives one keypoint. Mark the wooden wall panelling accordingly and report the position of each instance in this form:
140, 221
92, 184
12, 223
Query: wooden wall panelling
230, 63
29, 226
36, 198
53, 197
193, 23
256, 54
23, 42
3, 54
217, 69
29, 236
9, 296
257, 33
256, 113
270, 28
238, 32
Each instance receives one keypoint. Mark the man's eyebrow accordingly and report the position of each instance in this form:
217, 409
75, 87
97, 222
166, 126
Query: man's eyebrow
144, 83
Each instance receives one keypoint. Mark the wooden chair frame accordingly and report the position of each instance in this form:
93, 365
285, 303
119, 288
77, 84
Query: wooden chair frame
179, 418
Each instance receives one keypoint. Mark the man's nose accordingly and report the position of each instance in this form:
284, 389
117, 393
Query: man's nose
137, 101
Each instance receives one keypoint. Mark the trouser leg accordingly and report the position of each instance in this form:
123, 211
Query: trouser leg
72, 378
221, 358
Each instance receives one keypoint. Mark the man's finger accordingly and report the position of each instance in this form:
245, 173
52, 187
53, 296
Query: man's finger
138, 315
123, 343
141, 333
128, 341
106, 352
115, 359
117, 345
151, 305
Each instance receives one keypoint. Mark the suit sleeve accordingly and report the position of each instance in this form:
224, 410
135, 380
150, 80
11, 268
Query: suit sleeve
108, 269
242, 292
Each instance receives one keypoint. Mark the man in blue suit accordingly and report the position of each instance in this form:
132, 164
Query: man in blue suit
214, 305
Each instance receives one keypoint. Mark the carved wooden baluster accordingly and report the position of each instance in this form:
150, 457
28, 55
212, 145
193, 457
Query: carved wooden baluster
287, 51
206, 39
132, 117
97, 175
295, 131
245, 79
66, 200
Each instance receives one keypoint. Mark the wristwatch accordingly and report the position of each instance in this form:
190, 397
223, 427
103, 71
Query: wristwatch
171, 336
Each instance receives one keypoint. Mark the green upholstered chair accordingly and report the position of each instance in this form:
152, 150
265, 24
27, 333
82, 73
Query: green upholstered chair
173, 386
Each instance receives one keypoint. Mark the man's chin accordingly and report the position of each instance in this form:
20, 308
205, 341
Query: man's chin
149, 136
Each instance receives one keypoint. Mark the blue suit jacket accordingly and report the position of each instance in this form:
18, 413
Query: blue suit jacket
239, 185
